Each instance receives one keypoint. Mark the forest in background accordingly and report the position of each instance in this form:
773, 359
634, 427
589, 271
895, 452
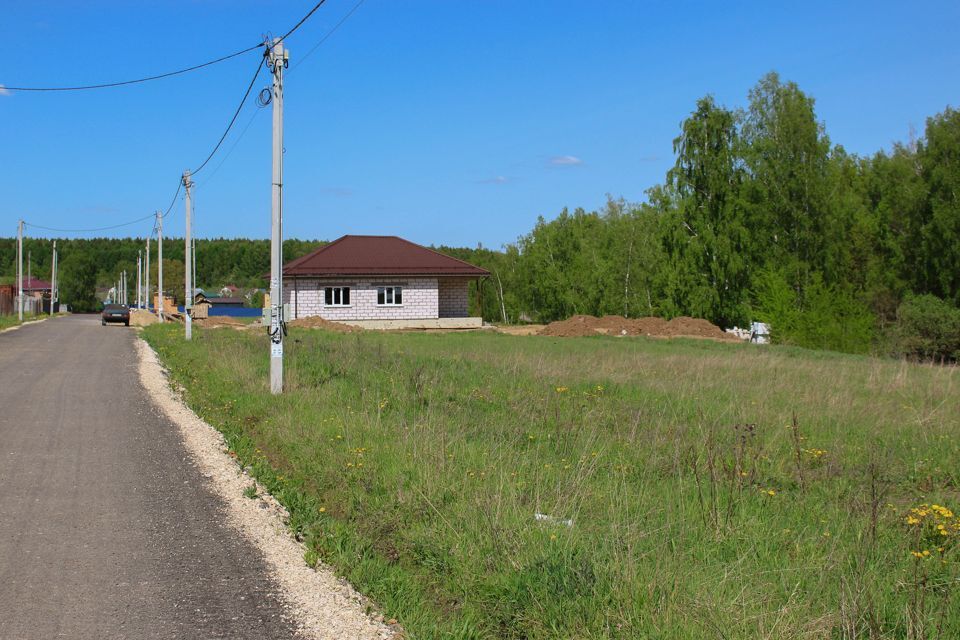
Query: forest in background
761, 218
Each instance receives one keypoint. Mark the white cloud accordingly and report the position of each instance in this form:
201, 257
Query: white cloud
4, 92
565, 161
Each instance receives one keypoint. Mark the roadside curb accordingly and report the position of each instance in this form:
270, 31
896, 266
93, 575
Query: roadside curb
23, 324
322, 605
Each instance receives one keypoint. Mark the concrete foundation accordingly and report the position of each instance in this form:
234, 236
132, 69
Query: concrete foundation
425, 323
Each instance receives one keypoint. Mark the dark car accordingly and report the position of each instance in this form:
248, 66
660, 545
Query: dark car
115, 313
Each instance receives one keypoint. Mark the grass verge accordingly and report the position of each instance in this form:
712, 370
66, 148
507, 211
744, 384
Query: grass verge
487, 486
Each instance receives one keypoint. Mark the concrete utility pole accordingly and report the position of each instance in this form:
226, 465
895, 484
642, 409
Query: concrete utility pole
278, 60
147, 275
193, 278
53, 279
159, 266
139, 276
188, 258
20, 270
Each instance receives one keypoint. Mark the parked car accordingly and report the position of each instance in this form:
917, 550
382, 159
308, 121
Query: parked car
115, 313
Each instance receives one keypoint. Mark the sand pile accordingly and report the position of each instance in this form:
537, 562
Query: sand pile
316, 322
683, 326
141, 317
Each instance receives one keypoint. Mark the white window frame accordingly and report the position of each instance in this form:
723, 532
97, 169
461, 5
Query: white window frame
390, 292
336, 293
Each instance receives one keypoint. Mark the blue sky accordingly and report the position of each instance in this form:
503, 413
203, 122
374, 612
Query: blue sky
444, 121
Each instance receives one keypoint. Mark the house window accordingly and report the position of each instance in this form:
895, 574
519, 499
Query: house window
336, 296
390, 296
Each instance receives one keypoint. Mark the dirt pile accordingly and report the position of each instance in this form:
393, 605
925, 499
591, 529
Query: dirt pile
316, 322
141, 318
683, 326
217, 322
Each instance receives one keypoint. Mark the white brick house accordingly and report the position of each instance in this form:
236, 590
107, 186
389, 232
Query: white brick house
381, 281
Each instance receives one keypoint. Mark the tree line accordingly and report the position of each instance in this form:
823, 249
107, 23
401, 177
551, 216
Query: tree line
761, 218
89, 265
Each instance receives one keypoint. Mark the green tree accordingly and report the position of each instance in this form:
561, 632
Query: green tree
704, 230
78, 282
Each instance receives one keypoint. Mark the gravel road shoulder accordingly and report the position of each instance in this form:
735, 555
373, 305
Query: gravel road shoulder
324, 606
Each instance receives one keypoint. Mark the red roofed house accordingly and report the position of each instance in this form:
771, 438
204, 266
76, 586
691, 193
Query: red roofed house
36, 288
381, 282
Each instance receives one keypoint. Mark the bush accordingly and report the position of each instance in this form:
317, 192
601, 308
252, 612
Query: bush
818, 317
928, 328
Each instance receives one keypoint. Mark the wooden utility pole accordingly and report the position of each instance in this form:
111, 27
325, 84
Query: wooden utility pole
188, 260
278, 60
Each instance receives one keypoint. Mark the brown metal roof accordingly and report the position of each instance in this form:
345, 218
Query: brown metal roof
379, 256
36, 284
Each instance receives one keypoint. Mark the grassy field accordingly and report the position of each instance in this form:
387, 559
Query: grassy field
489, 486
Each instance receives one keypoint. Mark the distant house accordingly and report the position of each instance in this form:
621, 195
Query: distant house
229, 291
381, 281
36, 288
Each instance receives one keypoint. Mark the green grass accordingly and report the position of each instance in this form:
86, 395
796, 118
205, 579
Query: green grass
11, 321
415, 464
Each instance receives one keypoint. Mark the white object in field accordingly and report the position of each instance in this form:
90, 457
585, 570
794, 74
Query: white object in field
760, 333
542, 517
743, 334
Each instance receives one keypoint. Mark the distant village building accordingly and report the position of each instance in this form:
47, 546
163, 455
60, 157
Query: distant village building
36, 288
382, 282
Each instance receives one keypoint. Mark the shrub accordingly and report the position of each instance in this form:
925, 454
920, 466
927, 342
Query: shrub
818, 317
928, 328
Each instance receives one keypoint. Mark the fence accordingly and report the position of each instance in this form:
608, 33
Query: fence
31, 305
7, 296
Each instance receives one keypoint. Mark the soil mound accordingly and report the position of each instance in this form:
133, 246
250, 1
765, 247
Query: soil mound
683, 326
316, 322
141, 318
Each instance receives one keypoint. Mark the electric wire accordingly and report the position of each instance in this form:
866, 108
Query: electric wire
302, 20
229, 125
114, 226
168, 74
233, 146
326, 36
234, 118
174, 201
253, 117
122, 83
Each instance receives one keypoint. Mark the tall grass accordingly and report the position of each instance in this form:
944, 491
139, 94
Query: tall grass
488, 486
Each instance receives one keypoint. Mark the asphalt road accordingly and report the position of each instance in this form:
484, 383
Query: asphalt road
106, 529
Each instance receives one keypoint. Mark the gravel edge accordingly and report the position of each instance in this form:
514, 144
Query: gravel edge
23, 324
322, 605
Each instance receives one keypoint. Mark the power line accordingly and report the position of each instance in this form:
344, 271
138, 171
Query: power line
233, 146
122, 83
325, 37
302, 20
234, 118
115, 226
174, 201
160, 76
